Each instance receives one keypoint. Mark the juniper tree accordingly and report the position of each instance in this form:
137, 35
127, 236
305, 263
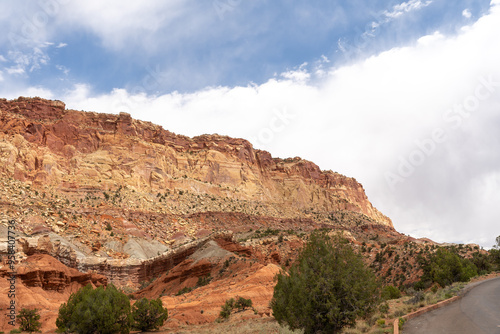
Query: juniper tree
326, 289
90, 311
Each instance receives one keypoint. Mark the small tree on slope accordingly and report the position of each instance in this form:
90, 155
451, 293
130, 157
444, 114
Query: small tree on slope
148, 314
326, 289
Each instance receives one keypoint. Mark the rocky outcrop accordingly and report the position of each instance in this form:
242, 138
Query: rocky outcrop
196, 288
43, 143
121, 272
44, 271
43, 283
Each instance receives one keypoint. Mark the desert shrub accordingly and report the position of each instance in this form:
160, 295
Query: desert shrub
242, 303
28, 320
92, 311
384, 308
239, 303
320, 293
226, 309
401, 322
445, 267
390, 292
482, 263
417, 298
203, 280
184, 290
148, 314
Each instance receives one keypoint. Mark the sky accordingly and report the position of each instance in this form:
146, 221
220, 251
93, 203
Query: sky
404, 96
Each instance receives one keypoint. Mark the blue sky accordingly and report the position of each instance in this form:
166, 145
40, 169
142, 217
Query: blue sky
211, 43
365, 88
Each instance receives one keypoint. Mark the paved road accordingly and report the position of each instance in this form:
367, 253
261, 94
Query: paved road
477, 313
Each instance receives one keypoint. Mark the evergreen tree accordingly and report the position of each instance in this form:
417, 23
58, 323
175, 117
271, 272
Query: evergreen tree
149, 314
326, 289
92, 311
242, 303
446, 267
28, 320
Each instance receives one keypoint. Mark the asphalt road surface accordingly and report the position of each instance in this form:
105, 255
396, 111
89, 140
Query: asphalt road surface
476, 313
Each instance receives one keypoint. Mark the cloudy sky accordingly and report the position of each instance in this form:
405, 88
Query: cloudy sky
403, 96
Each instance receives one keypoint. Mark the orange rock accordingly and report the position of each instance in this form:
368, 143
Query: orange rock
149, 158
43, 283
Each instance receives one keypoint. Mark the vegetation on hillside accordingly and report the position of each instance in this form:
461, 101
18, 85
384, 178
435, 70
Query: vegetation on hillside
107, 311
445, 267
28, 320
240, 304
319, 293
148, 314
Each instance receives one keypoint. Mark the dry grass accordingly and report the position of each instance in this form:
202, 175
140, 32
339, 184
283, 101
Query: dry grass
249, 326
382, 323
377, 323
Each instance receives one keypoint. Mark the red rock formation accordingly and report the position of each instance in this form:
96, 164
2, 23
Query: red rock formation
46, 144
44, 283
44, 271
93, 178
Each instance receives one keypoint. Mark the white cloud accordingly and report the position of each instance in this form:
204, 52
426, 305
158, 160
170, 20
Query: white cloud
384, 18
2, 58
29, 60
120, 22
300, 74
466, 13
61, 45
15, 70
428, 40
406, 7
360, 120
63, 69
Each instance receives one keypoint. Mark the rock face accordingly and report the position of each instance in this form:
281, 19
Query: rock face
44, 283
97, 198
43, 143
230, 273
44, 271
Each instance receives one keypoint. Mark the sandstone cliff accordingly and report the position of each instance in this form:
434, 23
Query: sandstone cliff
42, 143
121, 200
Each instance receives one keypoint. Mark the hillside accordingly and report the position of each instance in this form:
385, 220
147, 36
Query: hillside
143, 207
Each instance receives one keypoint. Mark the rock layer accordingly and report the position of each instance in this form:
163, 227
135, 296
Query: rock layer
44, 283
43, 143
108, 195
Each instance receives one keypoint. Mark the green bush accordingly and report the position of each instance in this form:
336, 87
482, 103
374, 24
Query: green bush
28, 320
482, 262
242, 303
384, 308
203, 280
401, 322
226, 309
327, 288
184, 290
390, 292
148, 314
445, 267
95, 311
